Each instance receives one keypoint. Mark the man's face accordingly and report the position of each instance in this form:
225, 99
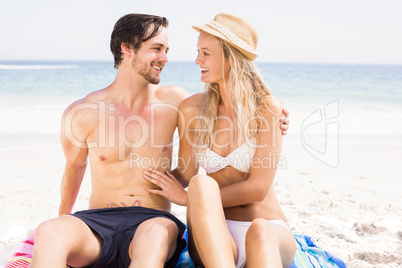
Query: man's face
150, 59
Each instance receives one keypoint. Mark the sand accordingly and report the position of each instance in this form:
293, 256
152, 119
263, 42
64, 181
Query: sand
353, 210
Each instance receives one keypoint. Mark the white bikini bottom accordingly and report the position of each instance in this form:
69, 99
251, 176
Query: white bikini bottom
238, 230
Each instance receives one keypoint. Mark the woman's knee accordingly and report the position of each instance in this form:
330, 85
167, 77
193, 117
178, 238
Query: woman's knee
202, 182
274, 238
261, 231
200, 185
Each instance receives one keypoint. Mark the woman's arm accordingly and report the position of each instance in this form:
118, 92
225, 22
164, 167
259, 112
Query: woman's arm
264, 164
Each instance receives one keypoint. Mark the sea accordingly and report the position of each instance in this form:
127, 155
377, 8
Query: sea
361, 99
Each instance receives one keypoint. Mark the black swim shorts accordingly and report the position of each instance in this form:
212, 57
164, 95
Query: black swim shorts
117, 226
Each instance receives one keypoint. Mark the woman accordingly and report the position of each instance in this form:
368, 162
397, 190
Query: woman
232, 131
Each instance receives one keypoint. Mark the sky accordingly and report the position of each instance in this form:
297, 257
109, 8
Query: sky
309, 31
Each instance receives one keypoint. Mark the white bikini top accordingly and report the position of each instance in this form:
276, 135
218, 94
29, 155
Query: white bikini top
241, 158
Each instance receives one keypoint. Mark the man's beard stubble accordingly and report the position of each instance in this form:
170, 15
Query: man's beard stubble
145, 72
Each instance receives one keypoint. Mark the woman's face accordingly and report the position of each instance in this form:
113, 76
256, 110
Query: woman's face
210, 59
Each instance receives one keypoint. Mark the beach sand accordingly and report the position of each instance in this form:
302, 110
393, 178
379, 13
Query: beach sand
353, 210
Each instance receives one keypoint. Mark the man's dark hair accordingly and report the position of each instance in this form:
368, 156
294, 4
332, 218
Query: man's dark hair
133, 30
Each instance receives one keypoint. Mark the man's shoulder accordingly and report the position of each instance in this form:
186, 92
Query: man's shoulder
171, 94
85, 107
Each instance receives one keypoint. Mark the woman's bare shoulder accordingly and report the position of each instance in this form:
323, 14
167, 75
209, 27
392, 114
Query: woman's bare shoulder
192, 102
274, 106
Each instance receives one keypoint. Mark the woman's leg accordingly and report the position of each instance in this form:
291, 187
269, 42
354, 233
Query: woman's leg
269, 245
209, 237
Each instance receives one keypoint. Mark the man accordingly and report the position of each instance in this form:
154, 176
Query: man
123, 130
131, 119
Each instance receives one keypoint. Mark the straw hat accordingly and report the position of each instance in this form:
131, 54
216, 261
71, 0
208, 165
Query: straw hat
236, 31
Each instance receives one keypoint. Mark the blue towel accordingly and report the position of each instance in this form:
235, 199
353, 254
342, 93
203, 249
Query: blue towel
308, 255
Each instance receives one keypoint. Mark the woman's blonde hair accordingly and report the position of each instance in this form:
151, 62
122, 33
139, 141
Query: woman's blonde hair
248, 97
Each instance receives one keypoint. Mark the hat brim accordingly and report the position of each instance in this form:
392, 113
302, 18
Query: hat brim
206, 28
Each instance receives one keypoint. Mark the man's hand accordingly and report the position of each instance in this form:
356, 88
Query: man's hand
284, 122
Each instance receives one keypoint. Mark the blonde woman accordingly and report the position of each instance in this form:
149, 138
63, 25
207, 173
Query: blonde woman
232, 131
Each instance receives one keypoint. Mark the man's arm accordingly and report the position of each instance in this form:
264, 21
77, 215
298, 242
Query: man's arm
173, 183
76, 154
180, 98
187, 165
72, 179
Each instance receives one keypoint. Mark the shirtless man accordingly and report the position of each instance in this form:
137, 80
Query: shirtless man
133, 119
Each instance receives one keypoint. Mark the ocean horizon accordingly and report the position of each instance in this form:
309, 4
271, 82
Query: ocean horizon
367, 97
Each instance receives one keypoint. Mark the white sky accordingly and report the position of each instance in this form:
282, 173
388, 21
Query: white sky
341, 31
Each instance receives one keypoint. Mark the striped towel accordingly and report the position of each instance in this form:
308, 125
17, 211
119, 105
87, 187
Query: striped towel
22, 257
308, 255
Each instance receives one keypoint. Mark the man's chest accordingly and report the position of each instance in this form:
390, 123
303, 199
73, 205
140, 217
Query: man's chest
117, 136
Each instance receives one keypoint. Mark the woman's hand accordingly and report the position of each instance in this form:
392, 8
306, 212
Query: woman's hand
171, 188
